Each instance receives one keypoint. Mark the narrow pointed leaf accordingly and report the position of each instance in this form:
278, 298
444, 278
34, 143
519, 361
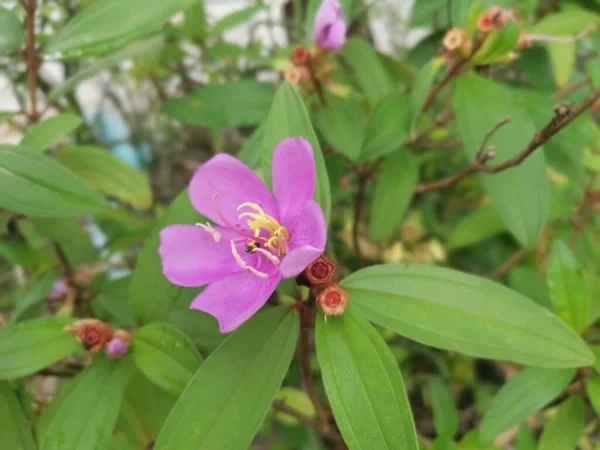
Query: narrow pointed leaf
448, 309
422, 87
16, 434
564, 429
30, 346
443, 405
363, 384
12, 33
234, 386
165, 355
43, 134
523, 395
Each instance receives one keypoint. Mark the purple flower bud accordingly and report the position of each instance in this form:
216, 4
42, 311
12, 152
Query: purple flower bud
59, 290
329, 31
116, 348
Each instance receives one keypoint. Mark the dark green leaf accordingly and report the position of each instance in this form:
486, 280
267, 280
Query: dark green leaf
35, 185
372, 75
85, 411
443, 405
165, 355
592, 387
235, 386
16, 434
152, 295
568, 289
520, 194
523, 395
42, 135
474, 227
531, 284
394, 189
387, 128
11, 31
363, 384
112, 303
110, 24
422, 87
455, 311
109, 174
342, 125
234, 104
71, 234
288, 118
30, 346
250, 153
564, 429
33, 297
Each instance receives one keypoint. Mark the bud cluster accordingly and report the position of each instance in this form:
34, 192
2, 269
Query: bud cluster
331, 297
309, 68
96, 335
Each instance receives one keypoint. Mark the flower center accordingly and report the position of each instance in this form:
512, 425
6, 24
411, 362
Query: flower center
277, 236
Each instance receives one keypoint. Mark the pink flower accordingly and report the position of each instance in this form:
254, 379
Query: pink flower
258, 238
329, 31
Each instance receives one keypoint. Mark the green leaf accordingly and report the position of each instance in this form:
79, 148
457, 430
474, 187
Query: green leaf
521, 193
85, 412
234, 104
165, 355
524, 394
371, 74
43, 134
109, 24
451, 310
33, 297
234, 19
498, 44
107, 173
16, 434
250, 153
235, 386
568, 289
563, 57
34, 184
387, 128
525, 439
342, 125
394, 190
565, 23
564, 429
11, 31
288, 118
531, 284
592, 387
475, 227
71, 234
134, 50
422, 86
297, 400
112, 303
30, 346
363, 384
445, 414
152, 295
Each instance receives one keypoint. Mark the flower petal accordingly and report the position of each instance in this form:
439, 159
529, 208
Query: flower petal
307, 241
234, 299
191, 257
329, 30
294, 178
234, 183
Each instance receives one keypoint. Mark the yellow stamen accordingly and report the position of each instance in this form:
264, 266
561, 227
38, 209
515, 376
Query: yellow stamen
259, 220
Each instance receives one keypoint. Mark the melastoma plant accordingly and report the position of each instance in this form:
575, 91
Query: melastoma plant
371, 251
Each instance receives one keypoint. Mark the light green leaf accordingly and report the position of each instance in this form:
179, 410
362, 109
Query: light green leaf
525, 439
393, 192
33, 184
165, 355
43, 134
107, 173
387, 128
565, 23
235, 386
234, 104
16, 434
421, 88
33, 297
288, 118
452, 310
85, 412
71, 234
371, 74
134, 50
521, 193
110, 24
475, 227
297, 400
30, 346
523, 395
234, 19
12, 33
592, 387
564, 429
342, 125
568, 289
531, 284
498, 44
563, 57
363, 384
112, 303
443, 405
152, 295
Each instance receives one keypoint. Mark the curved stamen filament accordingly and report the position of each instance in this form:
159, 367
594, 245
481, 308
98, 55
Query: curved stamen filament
242, 263
209, 229
270, 256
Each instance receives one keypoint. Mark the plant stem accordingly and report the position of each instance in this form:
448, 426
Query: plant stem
30, 7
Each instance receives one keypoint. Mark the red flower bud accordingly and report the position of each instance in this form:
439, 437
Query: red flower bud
320, 271
300, 56
93, 334
333, 300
